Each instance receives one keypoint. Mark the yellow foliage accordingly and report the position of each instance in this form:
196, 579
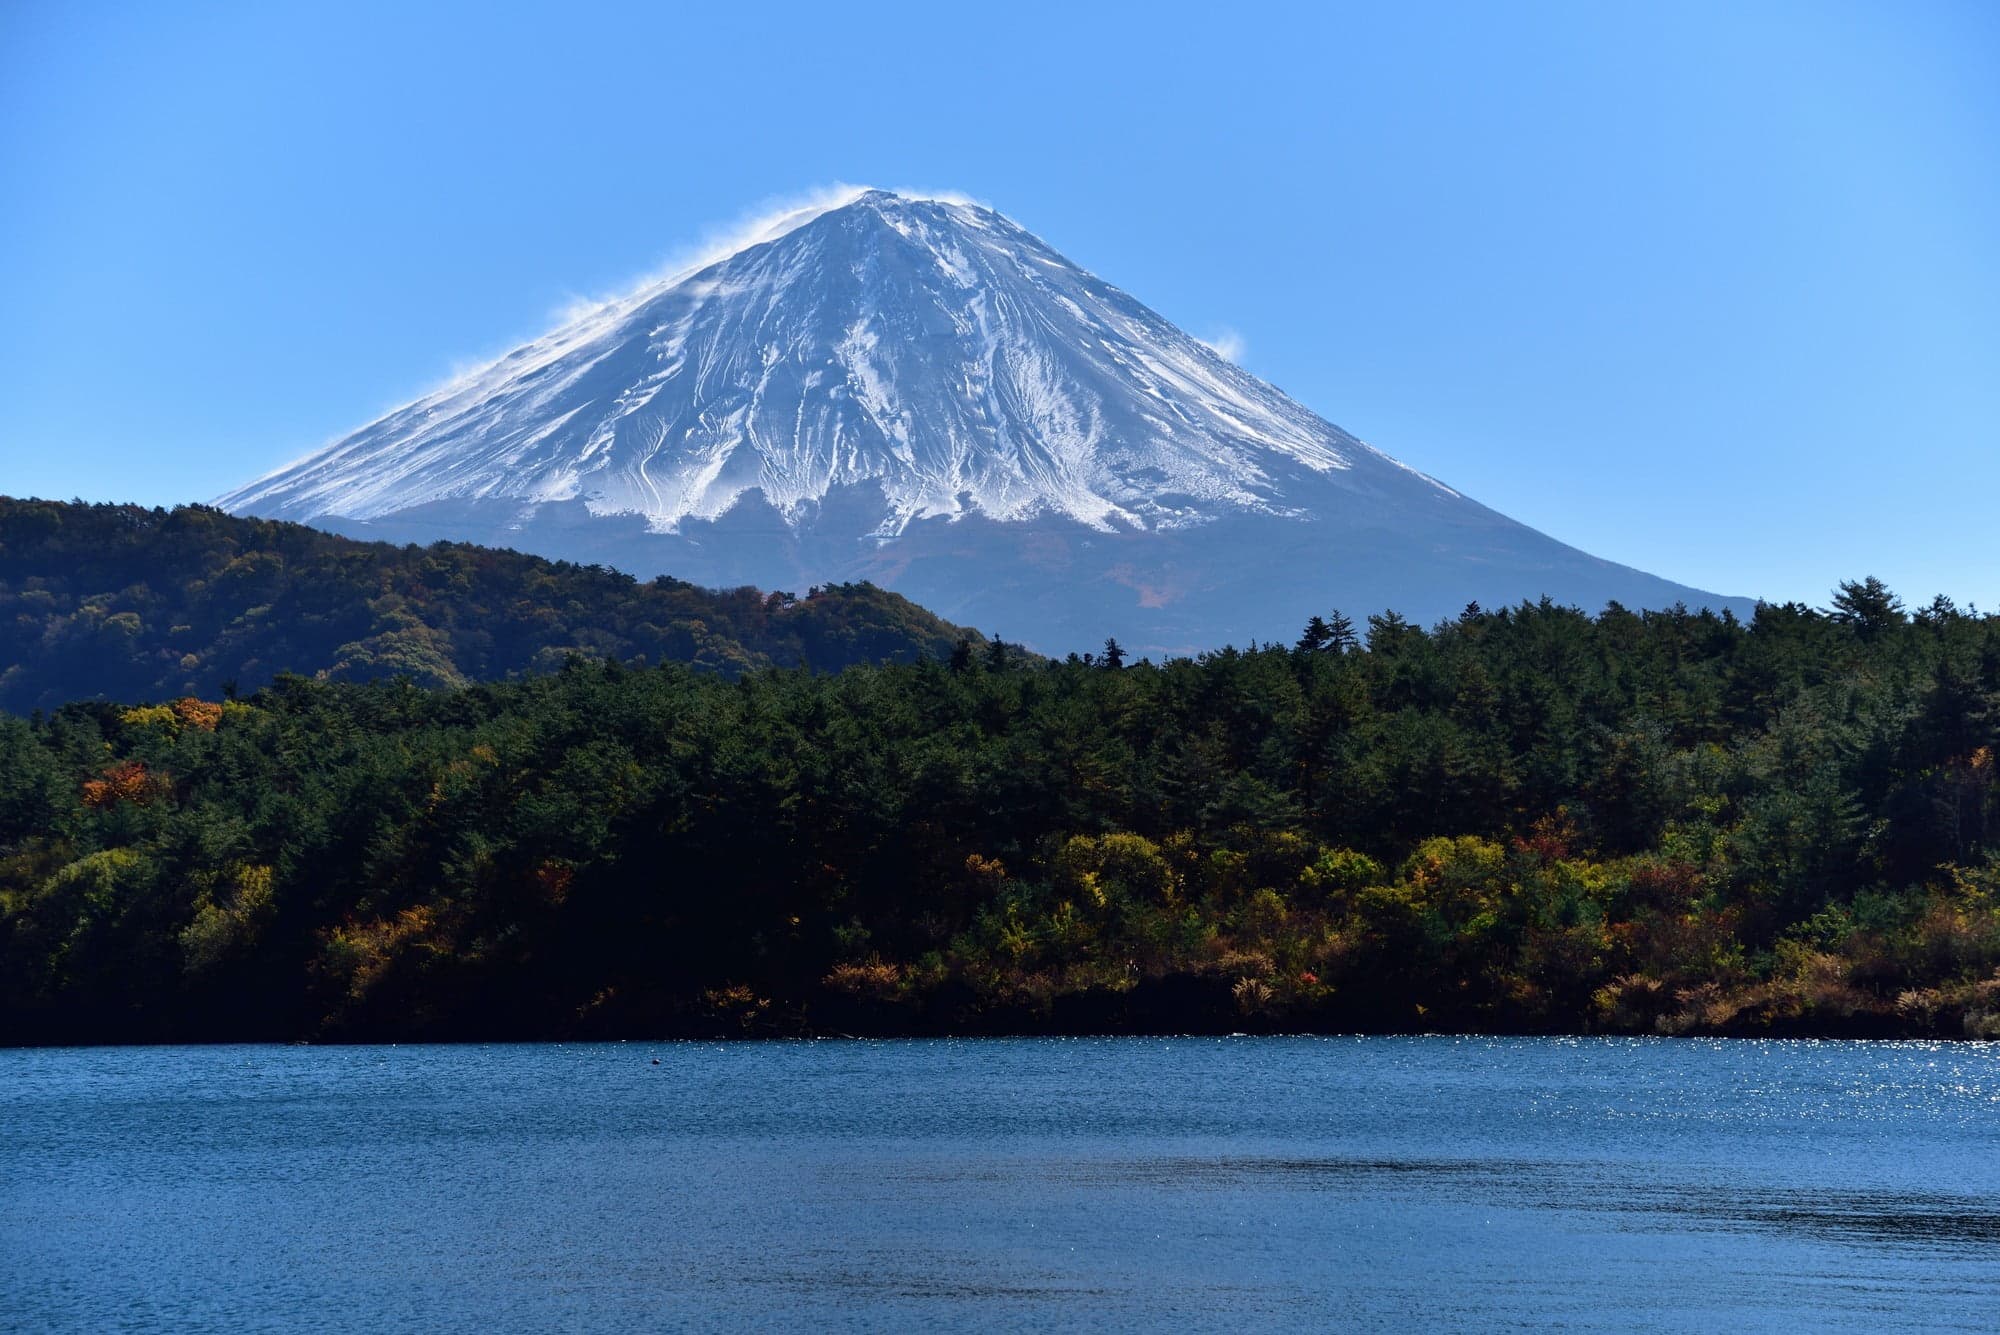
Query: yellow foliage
102, 876
364, 951
1068, 930
1015, 938
1265, 914
219, 928
1454, 863
988, 871
187, 712
150, 716
1103, 868
875, 980
1341, 869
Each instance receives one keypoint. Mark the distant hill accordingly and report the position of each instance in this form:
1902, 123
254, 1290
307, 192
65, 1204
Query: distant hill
129, 603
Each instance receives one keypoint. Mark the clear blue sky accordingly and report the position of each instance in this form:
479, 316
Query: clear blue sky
1712, 289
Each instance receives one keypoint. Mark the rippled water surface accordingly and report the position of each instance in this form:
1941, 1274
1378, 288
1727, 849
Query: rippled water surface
1271, 1183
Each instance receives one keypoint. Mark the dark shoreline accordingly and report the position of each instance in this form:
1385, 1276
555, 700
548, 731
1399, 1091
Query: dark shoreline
1085, 1015
994, 1036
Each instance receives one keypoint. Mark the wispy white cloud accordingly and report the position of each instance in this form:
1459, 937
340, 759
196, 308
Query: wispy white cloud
1226, 344
577, 317
938, 196
767, 221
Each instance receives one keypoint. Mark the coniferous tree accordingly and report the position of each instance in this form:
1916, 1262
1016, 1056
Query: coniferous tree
1867, 606
1316, 637
1341, 636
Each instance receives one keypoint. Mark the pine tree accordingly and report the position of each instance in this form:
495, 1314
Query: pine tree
1868, 607
1340, 633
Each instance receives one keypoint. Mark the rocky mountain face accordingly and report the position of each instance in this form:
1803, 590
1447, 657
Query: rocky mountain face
921, 393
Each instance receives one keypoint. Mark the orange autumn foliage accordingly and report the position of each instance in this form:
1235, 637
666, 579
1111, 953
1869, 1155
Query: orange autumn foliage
127, 781
203, 715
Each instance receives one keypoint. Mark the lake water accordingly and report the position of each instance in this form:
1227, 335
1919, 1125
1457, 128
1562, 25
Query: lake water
1255, 1183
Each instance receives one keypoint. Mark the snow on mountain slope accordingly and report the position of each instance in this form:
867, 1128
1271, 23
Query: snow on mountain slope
817, 403
932, 347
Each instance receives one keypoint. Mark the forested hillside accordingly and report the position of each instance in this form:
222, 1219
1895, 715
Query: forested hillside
1525, 819
121, 602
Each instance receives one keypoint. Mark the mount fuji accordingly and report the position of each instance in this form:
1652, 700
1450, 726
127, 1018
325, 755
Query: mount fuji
919, 392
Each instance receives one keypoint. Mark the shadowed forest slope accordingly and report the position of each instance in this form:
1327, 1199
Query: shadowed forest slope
126, 603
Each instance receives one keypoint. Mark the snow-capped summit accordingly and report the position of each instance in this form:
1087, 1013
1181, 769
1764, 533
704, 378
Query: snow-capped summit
908, 389
933, 348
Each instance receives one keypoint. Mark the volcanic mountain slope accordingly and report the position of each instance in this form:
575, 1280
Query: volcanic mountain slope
921, 393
